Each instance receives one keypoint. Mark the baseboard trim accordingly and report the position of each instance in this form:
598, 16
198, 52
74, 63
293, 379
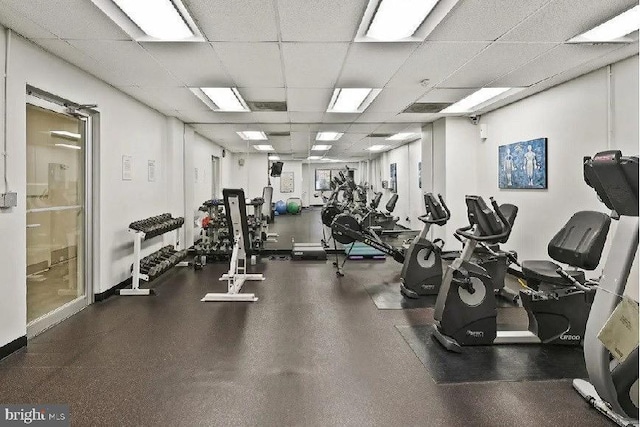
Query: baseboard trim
112, 291
13, 346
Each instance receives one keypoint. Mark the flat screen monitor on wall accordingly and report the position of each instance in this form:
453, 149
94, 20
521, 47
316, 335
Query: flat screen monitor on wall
276, 169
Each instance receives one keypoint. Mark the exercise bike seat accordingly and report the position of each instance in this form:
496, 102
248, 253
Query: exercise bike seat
545, 271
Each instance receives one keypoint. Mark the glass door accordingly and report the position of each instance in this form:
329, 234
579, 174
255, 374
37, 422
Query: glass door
56, 215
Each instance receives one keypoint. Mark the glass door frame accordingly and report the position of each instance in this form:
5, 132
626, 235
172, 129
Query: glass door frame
89, 117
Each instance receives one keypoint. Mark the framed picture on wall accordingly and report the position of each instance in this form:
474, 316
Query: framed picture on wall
523, 165
286, 182
393, 182
323, 179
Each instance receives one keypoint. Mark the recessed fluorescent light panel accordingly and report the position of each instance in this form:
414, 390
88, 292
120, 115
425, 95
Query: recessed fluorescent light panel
401, 20
614, 30
351, 100
329, 136
377, 147
252, 135
471, 102
74, 147
314, 157
274, 157
321, 147
152, 20
264, 147
401, 136
65, 134
396, 20
221, 98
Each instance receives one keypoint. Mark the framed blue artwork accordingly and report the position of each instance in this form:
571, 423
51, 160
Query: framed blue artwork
523, 165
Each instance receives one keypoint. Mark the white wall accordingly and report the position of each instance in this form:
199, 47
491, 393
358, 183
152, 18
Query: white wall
574, 118
309, 178
252, 176
299, 188
126, 127
199, 178
410, 203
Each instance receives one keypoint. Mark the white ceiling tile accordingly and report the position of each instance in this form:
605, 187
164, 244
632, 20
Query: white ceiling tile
340, 117
23, 25
263, 94
373, 64
316, 127
308, 100
551, 63
623, 52
200, 116
71, 54
496, 61
365, 128
252, 64
148, 98
130, 63
394, 100
305, 117
320, 20
179, 59
561, 20
275, 127
398, 127
69, 19
483, 20
434, 61
446, 94
237, 20
178, 98
415, 118
378, 117
313, 65
271, 116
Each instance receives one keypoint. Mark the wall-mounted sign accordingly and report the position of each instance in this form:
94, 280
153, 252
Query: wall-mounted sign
151, 170
127, 168
286, 182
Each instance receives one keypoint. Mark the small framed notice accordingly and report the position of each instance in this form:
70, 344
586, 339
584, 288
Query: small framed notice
151, 170
127, 168
286, 182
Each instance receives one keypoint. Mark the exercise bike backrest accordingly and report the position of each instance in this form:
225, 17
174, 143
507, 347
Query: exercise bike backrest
376, 201
437, 211
489, 225
615, 178
391, 204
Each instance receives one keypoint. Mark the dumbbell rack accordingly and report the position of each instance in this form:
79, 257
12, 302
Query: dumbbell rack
138, 237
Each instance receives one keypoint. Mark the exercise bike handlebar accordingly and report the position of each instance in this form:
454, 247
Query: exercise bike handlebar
505, 232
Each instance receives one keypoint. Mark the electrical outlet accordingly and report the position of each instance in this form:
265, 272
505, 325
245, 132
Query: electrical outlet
8, 200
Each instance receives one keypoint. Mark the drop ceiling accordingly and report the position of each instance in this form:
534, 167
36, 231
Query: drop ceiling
297, 52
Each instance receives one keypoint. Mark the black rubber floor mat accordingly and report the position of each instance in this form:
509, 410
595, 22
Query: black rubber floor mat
493, 363
387, 296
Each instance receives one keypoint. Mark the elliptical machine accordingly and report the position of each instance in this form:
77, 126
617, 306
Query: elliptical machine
557, 301
613, 385
422, 269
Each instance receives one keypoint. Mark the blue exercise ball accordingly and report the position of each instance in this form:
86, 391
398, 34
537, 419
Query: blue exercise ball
281, 207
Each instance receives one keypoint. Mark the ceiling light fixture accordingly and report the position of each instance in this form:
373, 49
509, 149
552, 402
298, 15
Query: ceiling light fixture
274, 157
614, 30
467, 105
223, 98
328, 136
314, 157
321, 147
401, 136
159, 19
376, 147
252, 135
264, 147
74, 147
396, 20
351, 100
